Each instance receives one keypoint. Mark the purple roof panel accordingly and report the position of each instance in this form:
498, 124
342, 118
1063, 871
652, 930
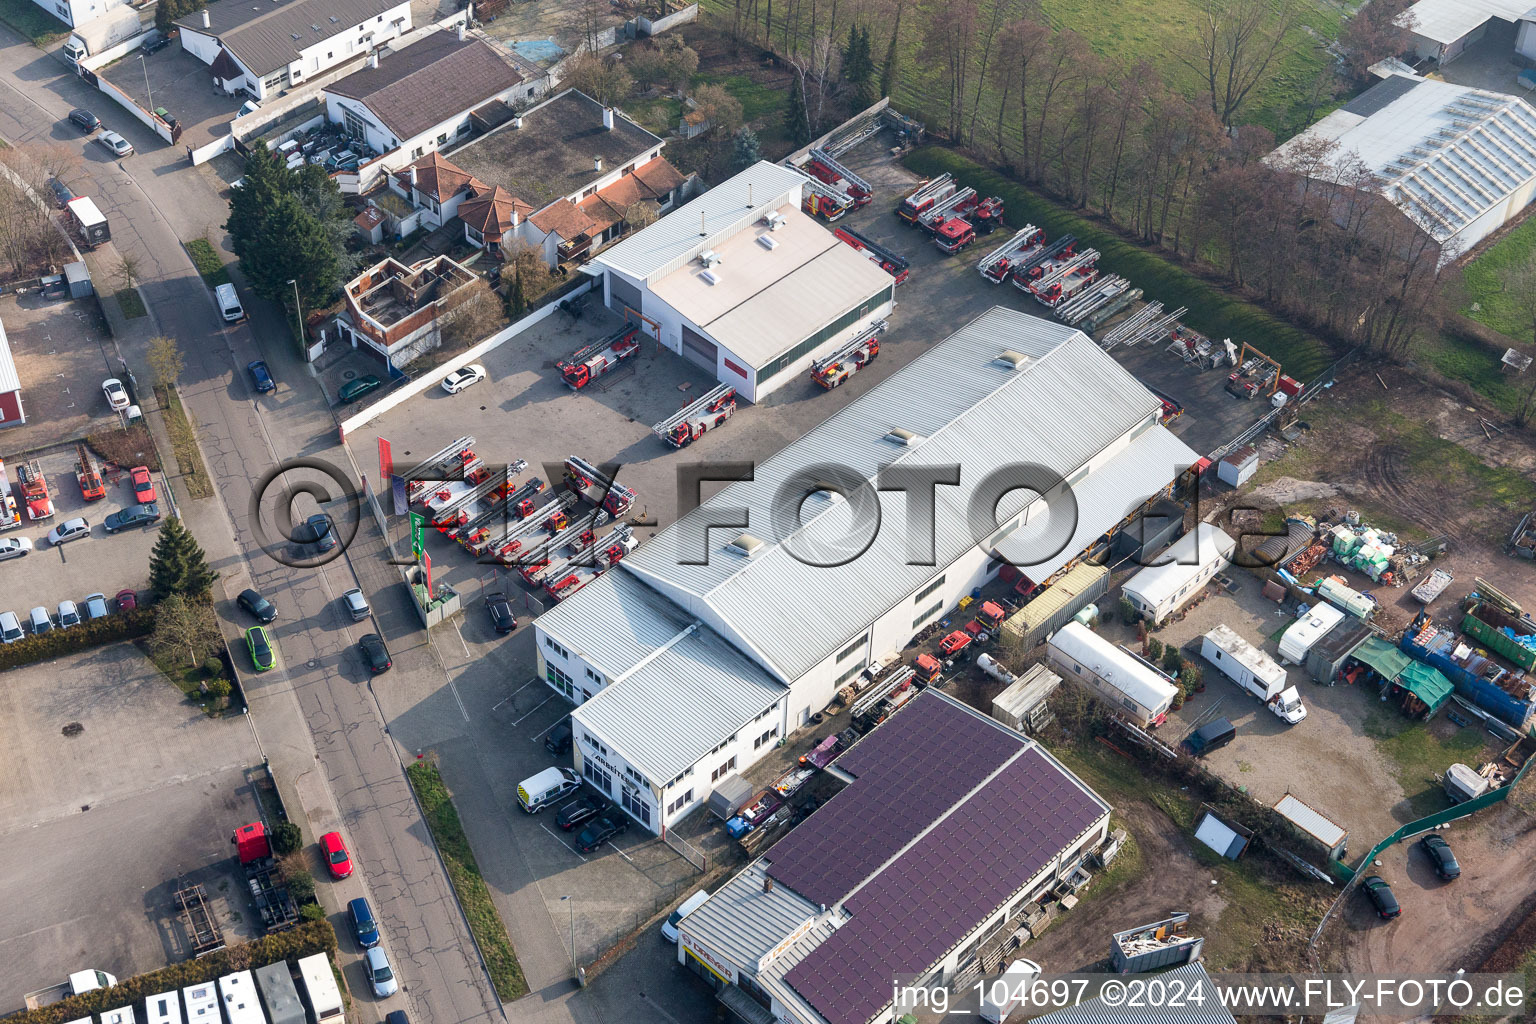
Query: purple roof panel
960, 872
909, 771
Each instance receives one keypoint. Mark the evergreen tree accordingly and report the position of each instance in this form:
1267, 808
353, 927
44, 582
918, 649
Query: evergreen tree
858, 64
177, 565
292, 245
517, 298
796, 120
850, 48
266, 178
747, 151
889, 68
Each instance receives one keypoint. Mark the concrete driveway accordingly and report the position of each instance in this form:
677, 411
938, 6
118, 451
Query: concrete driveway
62, 353
98, 825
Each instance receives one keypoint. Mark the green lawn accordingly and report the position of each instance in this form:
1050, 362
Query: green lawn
184, 444
659, 114
1417, 755
1474, 366
1485, 291
32, 21
207, 262
757, 99
464, 873
1211, 310
130, 303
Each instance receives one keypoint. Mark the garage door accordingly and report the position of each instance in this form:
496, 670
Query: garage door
700, 349
621, 294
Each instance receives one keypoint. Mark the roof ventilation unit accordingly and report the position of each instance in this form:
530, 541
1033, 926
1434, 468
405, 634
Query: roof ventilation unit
709, 257
1011, 359
746, 545
775, 220
904, 437
768, 242
710, 276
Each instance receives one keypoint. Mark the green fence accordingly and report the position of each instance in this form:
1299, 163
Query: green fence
1345, 872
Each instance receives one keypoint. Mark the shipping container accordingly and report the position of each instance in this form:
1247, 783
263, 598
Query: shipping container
1022, 705
1327, 655
1187, 566
1125, 681
1487, 625
1153, 946
1238, 467
1054, 606
1311, 625
1151, 531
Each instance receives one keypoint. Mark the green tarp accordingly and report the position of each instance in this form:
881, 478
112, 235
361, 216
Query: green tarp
1426, 683
1388, 661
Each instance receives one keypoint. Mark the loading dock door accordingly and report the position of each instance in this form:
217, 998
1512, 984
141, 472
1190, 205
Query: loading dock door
621, 293
700, 349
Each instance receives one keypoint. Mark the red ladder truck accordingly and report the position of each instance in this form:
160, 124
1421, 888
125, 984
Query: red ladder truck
689, 423
849, 359
888, 260
923, 198
996, 265
827, 168
34, 490
597, 487
587, 364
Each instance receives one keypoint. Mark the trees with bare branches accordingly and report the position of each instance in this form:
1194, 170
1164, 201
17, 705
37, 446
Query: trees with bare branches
1234, 45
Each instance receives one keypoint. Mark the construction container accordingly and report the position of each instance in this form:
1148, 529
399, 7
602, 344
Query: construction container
1022, 705
1237, 467
1346, 598
1505, 693
1510, 638
1160, 590
1312, 624
1152, 946
1055, 606
1462, 783
1332, 837
728, 797
1151, 531
1327, 656
1126, 682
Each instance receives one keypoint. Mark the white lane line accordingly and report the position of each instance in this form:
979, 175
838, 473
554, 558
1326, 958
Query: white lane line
620, 852
514, 693
562, 842
536, 707
461, 637
540, 734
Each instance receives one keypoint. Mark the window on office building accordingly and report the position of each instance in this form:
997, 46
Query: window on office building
767, 737
559, 680
930, 588
598, 776
680, 803
636, 806
925, 616
556, 648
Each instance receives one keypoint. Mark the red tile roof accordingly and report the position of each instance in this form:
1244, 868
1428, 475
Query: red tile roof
564, 218
438, 178
490, 213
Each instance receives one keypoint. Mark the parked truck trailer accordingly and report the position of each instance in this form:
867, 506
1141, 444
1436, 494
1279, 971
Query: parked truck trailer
1254, 671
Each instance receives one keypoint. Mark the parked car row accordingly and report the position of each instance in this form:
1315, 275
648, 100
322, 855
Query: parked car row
68, 614
365, 928
263, 648
89, 123
1441, 858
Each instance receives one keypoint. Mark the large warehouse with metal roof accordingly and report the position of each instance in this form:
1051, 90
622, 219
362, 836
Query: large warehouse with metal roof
951, 827
743, 283
709, 643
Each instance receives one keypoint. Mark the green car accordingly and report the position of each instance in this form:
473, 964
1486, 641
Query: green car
260, 642
352, 390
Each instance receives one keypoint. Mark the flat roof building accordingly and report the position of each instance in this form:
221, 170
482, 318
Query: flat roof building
743, 283
813, 937
708, 643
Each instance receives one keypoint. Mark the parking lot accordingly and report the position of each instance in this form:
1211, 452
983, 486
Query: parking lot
101, 563
98, 823
62, 353
180, 83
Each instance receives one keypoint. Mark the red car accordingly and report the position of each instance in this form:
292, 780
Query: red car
954, 643
143, 486
127, 600
336, 856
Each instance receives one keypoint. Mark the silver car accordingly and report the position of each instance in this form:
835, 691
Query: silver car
70, 529
116, 144
356, 604
380, 974
15, 547
69, 614
10, 628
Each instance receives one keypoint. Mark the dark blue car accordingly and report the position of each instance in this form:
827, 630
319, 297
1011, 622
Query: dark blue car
364, 926
261, 377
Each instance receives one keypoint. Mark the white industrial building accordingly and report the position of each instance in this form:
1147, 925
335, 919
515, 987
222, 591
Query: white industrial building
1459, 162
707, 644
951, 829
75, 13
743, 283
1443, 29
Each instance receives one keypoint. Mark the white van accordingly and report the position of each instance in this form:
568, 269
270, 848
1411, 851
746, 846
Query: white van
692, 903
229, 304
549, 785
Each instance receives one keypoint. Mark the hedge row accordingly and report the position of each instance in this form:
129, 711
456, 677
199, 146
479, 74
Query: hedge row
57, 642
305, 940
1212, 310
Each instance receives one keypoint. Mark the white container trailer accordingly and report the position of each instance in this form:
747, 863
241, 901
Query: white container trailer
320, 987
163, 1009
123, 1016
241, 1003
1124, 681
1310, 626
1006, 993
1188, 565
202, 1002
1343, 596
1254, 671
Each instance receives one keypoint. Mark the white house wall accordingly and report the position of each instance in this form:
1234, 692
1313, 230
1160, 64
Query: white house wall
204, 48
77, 12
1489, 222
376, 136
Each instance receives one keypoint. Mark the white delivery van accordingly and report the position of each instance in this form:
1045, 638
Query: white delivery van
229, 304
692, 903
1002, 995
549, 785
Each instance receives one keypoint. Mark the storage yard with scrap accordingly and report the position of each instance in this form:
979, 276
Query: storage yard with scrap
1313, 636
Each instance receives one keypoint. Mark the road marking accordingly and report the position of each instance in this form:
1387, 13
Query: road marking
620, 852
461, 637
548, 727
657, 1009
514, 693
563, 843
536, 707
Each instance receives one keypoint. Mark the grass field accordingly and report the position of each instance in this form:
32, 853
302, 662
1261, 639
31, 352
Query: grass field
1211, 310
32, 21
464, 872
207, 262
132, 306
1487, 301
184, 444
1475, 367
1417, 754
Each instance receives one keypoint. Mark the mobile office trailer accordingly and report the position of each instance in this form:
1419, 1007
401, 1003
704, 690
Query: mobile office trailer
320, 987
279, 994
241, 1004
123, 1016
1311, 626
163, 1009
1253, 670
1126, 682
1188, 565
202, 1003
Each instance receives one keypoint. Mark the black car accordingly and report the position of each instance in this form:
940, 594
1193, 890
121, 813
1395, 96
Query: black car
502, 619
318, 529
62, 193
582, 809
600, 831
253, 602
558, 739
375, 654
155, 45
1380, 894
397, 1017
84, 119
261, 377
1441, 857
144, 514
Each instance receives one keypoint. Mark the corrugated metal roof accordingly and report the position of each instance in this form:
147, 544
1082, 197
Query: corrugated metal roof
1101, 500
1446, 21
1078, 579
726, 209
1312, 822
1037, 683
9, 381
615, 623
970, 410
673, 708
743, 923
1115, 665
1209, 1009
1180, 563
